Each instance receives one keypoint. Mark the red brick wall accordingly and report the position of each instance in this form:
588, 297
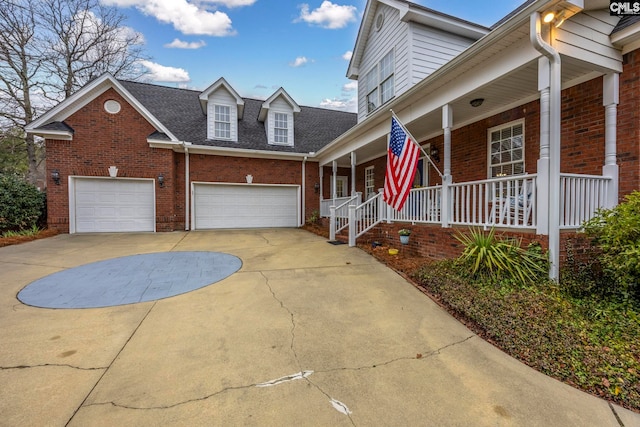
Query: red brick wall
101, 140
628, 134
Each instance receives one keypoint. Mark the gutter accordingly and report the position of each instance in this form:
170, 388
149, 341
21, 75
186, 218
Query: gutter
187, 186
551, 152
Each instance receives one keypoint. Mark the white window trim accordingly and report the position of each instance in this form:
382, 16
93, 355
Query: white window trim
215, 121
519, 122
379, 81
368, 194
272, 140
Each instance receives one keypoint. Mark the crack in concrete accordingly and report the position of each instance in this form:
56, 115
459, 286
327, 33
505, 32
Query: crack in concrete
419, 356
615, 414
47, 365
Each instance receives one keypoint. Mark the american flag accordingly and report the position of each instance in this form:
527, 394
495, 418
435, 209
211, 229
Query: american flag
402, 159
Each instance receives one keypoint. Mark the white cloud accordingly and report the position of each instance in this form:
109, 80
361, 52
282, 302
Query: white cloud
161, 73
346, 104
179, 44
350, 87
230, 3
184, 16
347, 55
328, 15
299, 62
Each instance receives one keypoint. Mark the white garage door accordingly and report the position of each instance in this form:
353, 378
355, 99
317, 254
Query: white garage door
113, 205
245, 206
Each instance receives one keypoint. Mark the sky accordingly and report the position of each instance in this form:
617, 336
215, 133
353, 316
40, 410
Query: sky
259, 46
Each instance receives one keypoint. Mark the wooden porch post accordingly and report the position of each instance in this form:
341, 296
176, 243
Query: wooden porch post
447, 123
353, 173
542, 196
611, 97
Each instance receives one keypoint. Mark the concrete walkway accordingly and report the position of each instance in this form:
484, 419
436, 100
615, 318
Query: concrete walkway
305, 333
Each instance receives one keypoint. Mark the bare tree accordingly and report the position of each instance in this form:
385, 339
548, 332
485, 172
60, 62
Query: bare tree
50, 48
20, 67
86, 39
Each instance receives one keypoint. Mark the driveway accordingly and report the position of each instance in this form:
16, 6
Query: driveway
304, 333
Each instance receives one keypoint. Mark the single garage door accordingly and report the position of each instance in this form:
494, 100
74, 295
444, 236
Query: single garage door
245, 206
113, 205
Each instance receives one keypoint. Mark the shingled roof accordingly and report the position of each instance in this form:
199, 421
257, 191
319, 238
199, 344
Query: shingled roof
180, 111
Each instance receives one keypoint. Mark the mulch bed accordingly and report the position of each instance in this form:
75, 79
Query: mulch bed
8, 241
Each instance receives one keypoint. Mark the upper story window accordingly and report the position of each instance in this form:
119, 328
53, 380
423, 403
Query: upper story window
281, 128
506, 148
380, 83
222, 121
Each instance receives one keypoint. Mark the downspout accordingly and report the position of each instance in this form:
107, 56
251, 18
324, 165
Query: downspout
555, 105
304, 190
187, 189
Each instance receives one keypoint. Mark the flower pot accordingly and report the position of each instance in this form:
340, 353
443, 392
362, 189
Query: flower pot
404, 240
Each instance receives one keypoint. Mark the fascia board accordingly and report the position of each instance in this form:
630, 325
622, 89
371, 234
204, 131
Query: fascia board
237, 152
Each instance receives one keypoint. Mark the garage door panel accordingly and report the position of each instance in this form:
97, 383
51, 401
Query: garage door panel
113, 205
250, 206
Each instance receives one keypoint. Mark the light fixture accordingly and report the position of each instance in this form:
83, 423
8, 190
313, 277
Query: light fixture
434, 153
161, 180
55, 175
316, 187
476, 102
548, 17
560, 18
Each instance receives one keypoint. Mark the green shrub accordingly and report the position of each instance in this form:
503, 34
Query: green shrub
21, 204
498, 259
616, 232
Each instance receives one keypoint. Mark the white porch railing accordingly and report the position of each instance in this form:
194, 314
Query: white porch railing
580, 197
499, 202
422, 205
339, 215
509, 202
325, 205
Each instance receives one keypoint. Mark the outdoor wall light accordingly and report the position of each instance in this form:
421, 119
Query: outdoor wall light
435, 153
548, 17
316, 187
55, 176
476, 102
161, 180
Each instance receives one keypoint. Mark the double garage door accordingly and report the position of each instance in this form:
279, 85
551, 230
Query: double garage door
244, 206
112, 205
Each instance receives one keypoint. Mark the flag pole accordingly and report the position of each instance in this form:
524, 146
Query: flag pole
415, 141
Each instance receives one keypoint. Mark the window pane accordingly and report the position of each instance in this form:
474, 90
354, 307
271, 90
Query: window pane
387, 90
222, 121
506, 147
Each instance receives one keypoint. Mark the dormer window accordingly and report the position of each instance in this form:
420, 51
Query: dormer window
222, 122
281, 129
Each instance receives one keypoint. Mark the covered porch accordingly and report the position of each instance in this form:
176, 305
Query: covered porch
524, 122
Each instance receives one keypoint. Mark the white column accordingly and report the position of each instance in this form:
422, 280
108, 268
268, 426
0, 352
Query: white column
353, 173
542, 195
447, 124
321, 177
611, 98
334, 181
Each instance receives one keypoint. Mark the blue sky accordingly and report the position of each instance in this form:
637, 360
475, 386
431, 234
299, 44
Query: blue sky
261, 45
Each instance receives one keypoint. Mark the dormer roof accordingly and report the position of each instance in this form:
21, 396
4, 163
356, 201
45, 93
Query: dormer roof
221, 83
266, 105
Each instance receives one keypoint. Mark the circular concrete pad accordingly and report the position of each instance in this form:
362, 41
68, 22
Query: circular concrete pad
128, 280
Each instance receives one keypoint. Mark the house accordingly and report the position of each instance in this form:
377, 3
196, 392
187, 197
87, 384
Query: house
528, 126
125, 156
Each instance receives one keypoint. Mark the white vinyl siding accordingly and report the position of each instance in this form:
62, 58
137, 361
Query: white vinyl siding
219, 125
431, 49
222, 118
245, 206
106, 205
506, 150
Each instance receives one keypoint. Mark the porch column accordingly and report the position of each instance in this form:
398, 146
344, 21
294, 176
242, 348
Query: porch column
611, 98
542, 196
321, 177
353, 173
447, 124
334, 181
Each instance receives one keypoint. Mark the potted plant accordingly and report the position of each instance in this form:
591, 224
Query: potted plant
404, 235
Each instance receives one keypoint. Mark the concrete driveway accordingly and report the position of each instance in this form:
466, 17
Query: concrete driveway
305, 333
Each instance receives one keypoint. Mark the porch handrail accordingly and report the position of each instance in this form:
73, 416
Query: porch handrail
580, 197
505, 201
365, 216
339, 215
325, 205
422, 206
